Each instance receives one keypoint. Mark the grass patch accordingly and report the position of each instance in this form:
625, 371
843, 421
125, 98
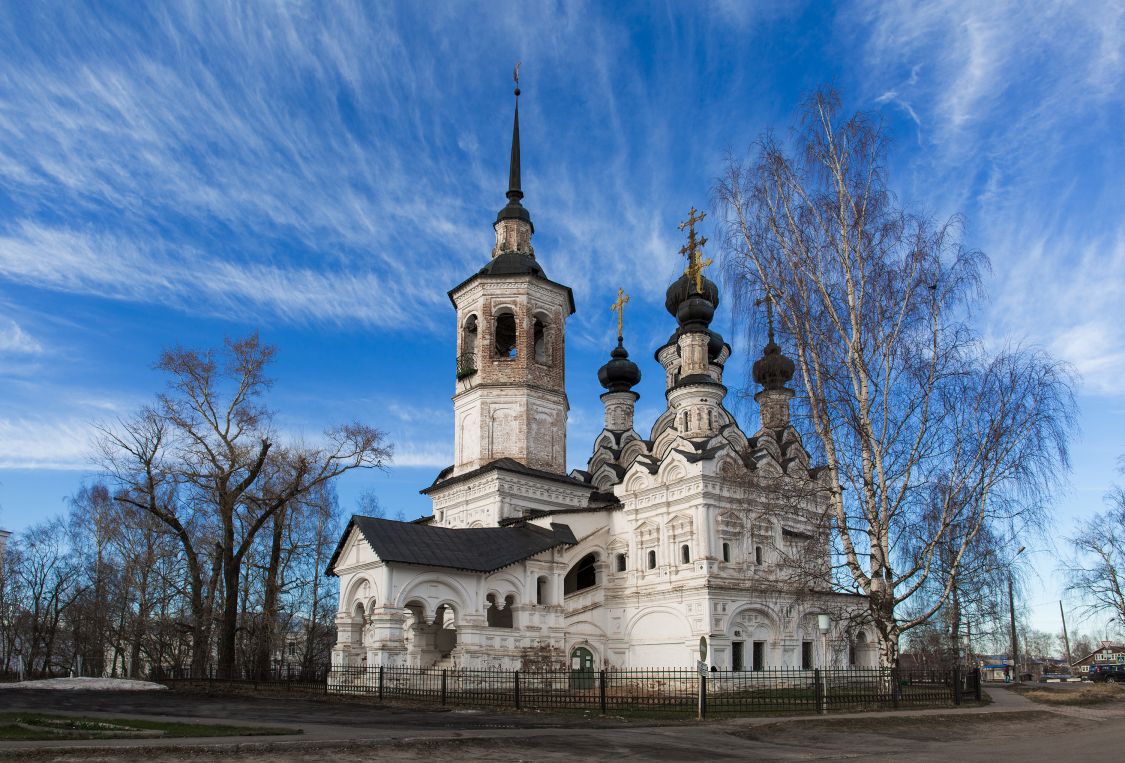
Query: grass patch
1094, 694
40, 727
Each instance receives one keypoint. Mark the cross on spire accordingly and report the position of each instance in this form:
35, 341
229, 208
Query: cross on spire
691, 250
619, 308
768, 302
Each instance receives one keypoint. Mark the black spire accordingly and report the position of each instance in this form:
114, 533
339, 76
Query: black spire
514, 210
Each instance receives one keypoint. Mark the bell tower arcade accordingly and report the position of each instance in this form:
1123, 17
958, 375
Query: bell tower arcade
510, 399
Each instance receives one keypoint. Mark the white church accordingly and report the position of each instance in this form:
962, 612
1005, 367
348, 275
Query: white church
691, 532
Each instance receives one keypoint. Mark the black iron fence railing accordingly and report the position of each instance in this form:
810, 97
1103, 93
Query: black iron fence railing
675, 691
466, 365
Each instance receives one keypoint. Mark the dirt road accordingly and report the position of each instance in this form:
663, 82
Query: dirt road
1012, 728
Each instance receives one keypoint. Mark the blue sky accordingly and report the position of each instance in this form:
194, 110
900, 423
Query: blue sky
323, 173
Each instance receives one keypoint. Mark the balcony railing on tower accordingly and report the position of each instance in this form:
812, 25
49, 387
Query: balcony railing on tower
466, 365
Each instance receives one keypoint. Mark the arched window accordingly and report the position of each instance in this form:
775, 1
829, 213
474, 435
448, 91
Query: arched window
757, 554
726, 552
505, 335
621, 563
497, 617
539, 341
652, 560
469, 334
685, 554
541, 590
582, 575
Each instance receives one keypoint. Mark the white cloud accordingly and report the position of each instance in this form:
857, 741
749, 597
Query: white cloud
31, 442
16, 341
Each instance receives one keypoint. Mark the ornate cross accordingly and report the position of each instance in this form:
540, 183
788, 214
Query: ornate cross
619, 308
691, 250
768, 302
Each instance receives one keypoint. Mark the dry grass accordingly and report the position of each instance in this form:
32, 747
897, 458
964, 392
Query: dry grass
1088, 694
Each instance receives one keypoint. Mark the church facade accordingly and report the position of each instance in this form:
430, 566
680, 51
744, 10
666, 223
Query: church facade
693, 532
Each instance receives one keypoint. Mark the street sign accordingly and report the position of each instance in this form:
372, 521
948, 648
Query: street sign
703, 647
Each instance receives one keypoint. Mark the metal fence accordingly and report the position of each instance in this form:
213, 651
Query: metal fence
682, 692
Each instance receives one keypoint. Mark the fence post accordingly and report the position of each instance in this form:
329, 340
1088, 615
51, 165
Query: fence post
516, 675
443, 674
957, 685
895, 688
601, 690
821, 699
380, 682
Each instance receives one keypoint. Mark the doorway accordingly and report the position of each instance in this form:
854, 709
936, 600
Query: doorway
759, 655
581, 668
736, 655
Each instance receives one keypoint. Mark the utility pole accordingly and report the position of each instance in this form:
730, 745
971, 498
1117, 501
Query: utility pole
1012, 615
1066, 638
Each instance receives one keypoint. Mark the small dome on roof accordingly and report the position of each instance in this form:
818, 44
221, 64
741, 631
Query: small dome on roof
683, 288
620, 374
773, 370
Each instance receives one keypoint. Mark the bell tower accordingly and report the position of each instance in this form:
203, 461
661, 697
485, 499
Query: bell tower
510, 399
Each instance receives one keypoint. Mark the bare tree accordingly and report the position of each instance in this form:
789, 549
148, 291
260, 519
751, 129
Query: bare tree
901, 402
203, 462
1096, 572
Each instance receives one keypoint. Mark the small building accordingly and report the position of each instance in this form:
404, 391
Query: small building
1107, 652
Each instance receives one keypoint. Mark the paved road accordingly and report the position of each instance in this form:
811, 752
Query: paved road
1010, 728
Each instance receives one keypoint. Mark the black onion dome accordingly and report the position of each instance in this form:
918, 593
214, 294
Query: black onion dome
715, 345
620, 374
773, 370
683, 288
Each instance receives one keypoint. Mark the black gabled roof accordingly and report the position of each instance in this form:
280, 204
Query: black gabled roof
476, 549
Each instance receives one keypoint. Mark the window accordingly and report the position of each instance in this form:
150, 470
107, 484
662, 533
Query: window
541, 590
685, 554
505, 335
806, 655
539, 341
736, 661
621, 563
469, 334
582, 575
759, 655
497, 617
757, 554
652, 560
292, 648
726, 552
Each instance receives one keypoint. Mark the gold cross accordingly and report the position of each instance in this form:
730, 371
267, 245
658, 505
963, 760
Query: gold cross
619, 308
691, 250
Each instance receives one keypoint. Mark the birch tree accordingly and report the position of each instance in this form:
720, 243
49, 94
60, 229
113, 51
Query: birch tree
898, 397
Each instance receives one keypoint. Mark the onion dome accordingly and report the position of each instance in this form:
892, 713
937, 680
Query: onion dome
683, 288
620, 374
773, 370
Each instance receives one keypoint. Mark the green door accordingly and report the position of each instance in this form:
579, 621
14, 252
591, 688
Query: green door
581, 668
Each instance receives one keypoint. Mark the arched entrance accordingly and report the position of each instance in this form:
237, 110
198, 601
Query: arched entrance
581, 668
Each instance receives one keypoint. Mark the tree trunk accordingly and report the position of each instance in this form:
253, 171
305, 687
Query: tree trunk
270, 598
